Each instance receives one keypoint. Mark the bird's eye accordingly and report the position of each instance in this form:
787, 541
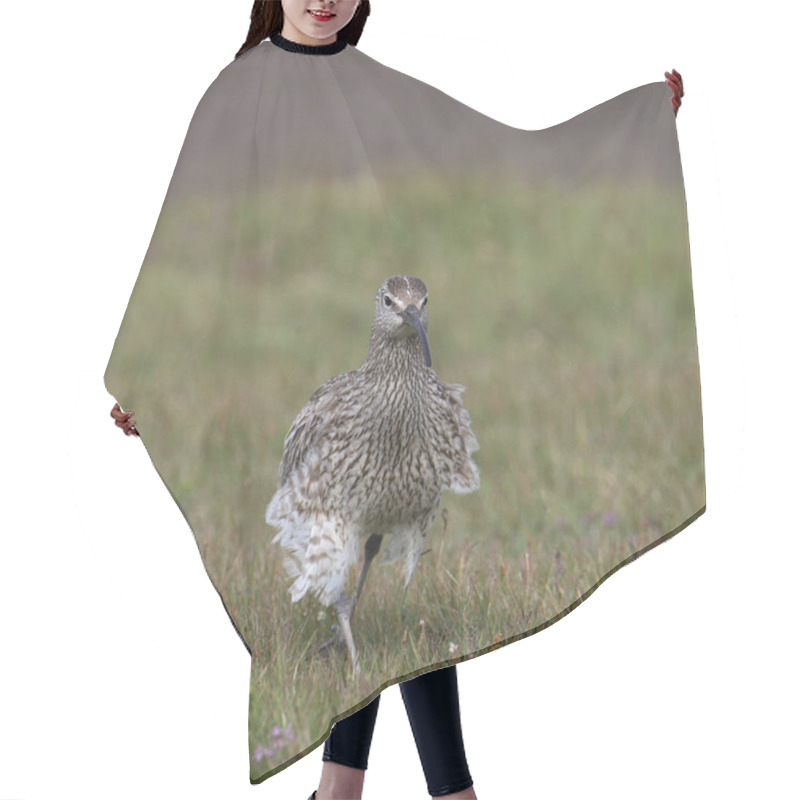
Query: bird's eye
424, 302
387, 301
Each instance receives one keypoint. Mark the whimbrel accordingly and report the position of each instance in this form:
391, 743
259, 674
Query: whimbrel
368, 457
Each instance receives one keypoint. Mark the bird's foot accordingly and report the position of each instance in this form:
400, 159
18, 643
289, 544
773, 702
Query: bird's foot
337, 640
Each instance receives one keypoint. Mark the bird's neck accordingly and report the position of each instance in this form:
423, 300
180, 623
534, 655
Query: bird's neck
398, 361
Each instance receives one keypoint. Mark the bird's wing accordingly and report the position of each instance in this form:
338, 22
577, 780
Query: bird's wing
463, 471
321, 418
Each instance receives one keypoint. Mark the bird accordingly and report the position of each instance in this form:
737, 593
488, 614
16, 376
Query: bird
368, 458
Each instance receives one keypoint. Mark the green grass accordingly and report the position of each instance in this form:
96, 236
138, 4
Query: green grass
567, 315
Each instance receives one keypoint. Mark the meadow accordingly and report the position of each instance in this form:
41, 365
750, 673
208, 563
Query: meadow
568, 315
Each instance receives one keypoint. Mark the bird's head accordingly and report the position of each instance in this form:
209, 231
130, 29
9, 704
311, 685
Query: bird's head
401, 310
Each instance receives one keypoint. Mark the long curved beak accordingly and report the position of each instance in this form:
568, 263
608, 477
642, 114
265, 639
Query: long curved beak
411, 316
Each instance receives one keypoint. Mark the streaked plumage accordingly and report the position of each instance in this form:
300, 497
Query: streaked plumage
369, 457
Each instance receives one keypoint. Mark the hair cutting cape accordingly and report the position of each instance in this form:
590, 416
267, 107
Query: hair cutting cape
560, 298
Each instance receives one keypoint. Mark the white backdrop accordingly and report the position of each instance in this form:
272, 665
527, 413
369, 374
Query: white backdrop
120, 674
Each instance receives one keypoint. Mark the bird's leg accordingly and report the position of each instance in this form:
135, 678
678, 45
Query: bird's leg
334, 640
344, 609
403, 611
370, 551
